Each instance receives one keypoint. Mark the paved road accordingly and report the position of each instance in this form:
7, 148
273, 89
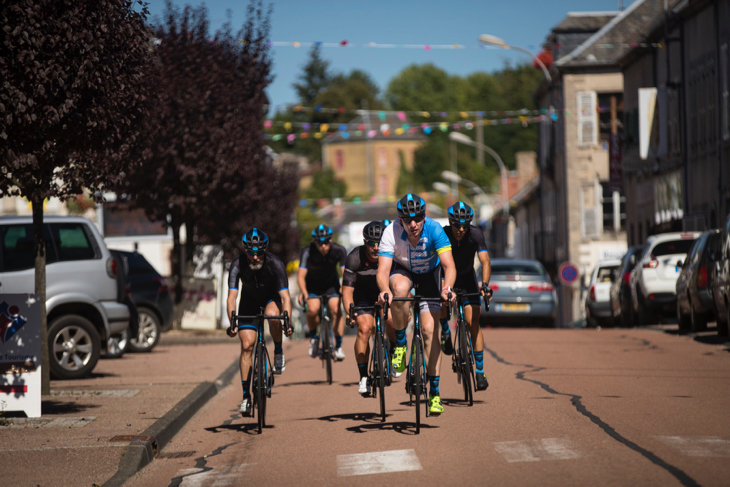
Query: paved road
564, 407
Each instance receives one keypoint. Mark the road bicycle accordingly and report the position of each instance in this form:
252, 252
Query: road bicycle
417, 373
462, 361
263, 371
326, 337
379, 370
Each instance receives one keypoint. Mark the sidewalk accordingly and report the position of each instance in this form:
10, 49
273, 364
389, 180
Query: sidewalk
83, 436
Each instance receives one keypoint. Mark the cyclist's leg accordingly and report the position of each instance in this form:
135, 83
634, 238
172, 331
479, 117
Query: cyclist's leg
335, 311
429, 286
273, 307
247, 336
312, 314
365, 327
400, 286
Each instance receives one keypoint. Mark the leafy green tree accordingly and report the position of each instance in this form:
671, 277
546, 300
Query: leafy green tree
314, 79
325, 186
73, 90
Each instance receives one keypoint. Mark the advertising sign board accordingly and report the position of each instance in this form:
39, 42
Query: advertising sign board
20, 354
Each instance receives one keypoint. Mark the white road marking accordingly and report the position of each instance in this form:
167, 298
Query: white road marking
698, 446
223, 476
377, 462
111, 393
538, 450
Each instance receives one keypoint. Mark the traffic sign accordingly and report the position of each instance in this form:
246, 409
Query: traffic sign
568, 273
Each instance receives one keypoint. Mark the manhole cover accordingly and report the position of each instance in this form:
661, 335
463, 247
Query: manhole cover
121, 438
178, 454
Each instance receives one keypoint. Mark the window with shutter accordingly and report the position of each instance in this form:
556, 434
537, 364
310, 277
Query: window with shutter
587, 118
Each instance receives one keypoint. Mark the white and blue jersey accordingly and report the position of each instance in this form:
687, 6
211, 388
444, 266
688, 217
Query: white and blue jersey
424, 257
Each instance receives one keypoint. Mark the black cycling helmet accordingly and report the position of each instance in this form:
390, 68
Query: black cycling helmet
411, 206
386, 222
461, 213
373, 231
322, 233
255, 240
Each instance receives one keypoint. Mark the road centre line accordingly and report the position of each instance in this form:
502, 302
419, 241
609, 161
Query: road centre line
698, 446
538, 450
377, 462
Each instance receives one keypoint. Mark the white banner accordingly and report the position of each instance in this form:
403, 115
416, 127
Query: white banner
20, 354
647, 103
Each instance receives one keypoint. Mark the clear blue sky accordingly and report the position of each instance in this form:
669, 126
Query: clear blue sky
523, 23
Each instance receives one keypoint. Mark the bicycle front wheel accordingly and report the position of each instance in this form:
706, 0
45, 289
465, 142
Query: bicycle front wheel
327, 347
379, 372
260, 386
418, 382
464, 363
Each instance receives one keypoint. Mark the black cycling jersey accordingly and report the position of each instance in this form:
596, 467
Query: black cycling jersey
322, 269
465, 249
261, 285
360, 272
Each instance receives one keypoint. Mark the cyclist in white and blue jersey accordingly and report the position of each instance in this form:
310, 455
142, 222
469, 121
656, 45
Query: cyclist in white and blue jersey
413, 251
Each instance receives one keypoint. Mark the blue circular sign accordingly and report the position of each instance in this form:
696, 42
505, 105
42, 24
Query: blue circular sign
568, 273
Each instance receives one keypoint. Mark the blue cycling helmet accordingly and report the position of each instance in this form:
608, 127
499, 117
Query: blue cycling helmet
386, 222
411, 206
255, 240
322, 233
461, 213
373, 231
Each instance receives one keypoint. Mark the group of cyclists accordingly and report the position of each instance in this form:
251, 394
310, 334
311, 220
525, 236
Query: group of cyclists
413, 254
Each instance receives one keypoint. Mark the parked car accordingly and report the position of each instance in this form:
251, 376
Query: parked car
654, 279
620, 291
84, 288
150, 294
598, 300
721, 281
523, 294
695, 303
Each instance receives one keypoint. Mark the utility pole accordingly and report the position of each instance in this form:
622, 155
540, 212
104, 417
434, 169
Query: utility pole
480, 140
368, 149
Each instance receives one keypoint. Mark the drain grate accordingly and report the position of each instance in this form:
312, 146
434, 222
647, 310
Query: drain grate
121, 438
177, 454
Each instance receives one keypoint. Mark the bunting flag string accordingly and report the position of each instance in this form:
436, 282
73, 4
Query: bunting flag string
386, 129
430, 47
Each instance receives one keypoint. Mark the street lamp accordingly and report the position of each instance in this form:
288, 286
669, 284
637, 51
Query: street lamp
459, 137
445, 189
496, 41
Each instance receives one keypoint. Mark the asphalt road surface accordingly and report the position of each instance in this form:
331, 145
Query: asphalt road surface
564, 407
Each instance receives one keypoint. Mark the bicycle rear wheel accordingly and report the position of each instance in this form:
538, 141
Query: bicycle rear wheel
327, 346
380, 373
418, 384
464, 363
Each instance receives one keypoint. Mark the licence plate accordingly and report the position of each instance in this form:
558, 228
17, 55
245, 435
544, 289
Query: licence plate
512, 307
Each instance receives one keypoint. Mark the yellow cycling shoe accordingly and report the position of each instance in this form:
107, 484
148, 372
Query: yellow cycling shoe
434, 405
399, 359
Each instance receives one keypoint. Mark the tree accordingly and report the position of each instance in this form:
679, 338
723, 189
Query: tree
72, 92
325, 186
204, 164
314, 79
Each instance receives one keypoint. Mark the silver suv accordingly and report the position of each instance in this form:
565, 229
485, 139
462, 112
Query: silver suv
84, 288
654, 279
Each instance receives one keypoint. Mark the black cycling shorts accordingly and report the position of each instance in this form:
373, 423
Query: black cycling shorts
253, 307
364, 299
324, 290
425, 285
467, 283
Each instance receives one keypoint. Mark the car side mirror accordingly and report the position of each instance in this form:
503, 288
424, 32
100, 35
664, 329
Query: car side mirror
679, 263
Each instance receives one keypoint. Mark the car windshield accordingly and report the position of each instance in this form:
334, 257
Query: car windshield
522, 269
605, 274
673, 247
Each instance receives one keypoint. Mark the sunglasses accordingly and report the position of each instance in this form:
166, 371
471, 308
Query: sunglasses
323, 242
254, 253
460, 226
417, 219
372, 243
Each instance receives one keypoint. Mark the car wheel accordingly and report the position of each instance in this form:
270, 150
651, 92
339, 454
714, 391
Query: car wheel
722, 328
683, 321
74, 347
644, 316
116, 345
698, 320
149, 332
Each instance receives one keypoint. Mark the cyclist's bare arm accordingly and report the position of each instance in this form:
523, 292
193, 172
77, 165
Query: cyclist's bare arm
447, 262
383, 277
231, 307
486, 266
347, 300
286, 304
302, 281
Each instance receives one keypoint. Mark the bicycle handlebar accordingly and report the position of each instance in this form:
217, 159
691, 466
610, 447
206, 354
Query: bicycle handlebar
414, 299
286, 325
354, 308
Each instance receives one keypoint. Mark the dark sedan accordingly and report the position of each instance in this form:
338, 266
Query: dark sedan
523, 294
151, 294
695, 304
620, 292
